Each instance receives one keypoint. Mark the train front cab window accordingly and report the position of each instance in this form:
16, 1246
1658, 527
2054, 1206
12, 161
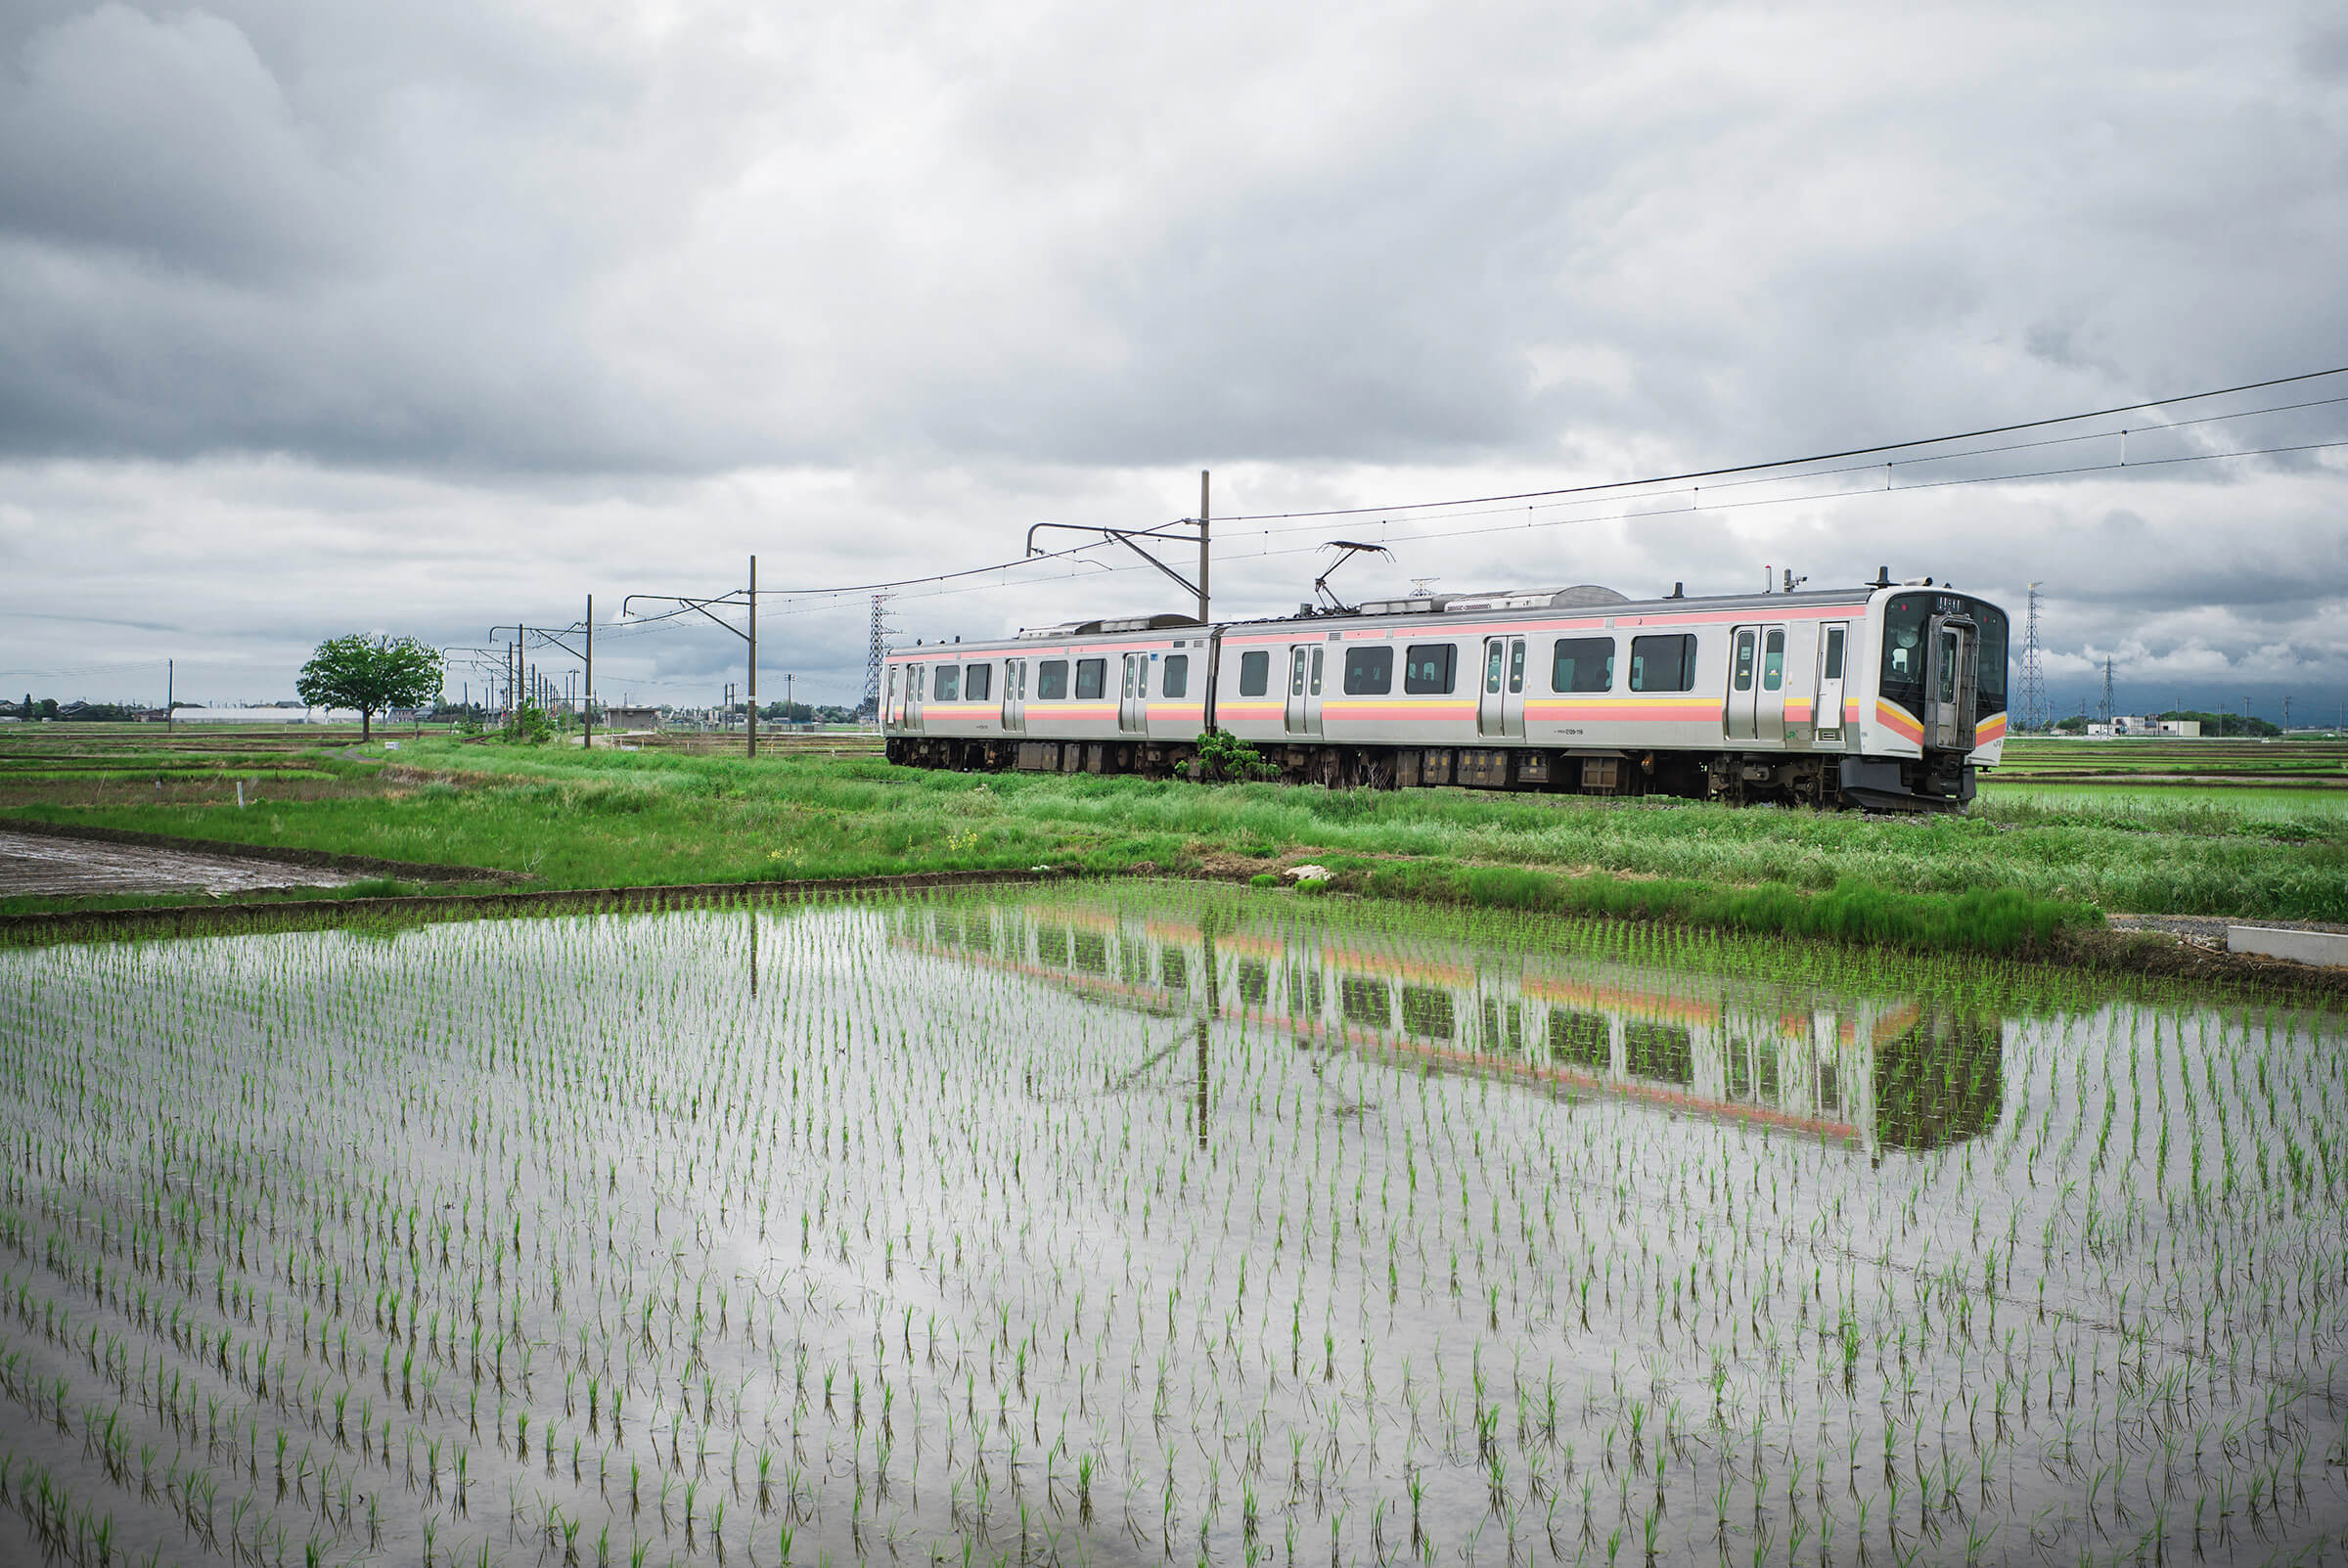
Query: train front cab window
1910, 637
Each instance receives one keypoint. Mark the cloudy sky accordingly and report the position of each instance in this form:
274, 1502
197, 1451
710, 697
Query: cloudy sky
318, 317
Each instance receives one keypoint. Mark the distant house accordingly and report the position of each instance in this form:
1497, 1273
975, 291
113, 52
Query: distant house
620, 718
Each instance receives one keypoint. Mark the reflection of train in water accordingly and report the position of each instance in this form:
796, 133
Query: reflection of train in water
1882, 1074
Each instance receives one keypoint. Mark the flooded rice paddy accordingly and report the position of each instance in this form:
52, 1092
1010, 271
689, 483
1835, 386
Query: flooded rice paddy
1153, 1225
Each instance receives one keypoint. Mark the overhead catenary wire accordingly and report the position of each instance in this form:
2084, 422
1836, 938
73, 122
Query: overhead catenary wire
1762, 473
1689, 477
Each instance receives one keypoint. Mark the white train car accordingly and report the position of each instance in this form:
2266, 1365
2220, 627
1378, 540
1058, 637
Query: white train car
1881, 695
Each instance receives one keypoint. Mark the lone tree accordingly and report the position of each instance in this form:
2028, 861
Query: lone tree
370, 674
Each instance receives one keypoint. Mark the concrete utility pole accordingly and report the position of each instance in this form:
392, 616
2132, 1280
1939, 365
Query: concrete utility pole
169, 673
754, 730
587, 702
1203, 595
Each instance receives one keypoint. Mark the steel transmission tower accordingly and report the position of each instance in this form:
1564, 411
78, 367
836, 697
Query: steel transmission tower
2035, 714
2108, 689
876, 647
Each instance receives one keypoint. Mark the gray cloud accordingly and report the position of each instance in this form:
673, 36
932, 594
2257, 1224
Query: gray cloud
441, 314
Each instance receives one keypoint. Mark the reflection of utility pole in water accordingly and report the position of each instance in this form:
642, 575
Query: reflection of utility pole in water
1206, 922
753, 953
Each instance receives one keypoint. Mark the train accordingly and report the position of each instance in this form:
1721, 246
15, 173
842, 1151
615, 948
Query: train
1884, 695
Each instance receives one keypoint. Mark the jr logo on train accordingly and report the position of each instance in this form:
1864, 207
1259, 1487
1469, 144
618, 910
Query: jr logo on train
1882, 695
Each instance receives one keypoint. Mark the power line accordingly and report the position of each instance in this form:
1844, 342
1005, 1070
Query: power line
1787, 462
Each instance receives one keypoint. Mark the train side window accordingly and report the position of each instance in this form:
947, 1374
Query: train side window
1176, 681
1317, 652
1297, 673
1516, 665
1428, 669
977, 683
1582, 664
1052, 680
1744, 661
1664, 664
1773, 661
946, 685
1495, 655
1255, 673
1092, 677
1834, 653
1370, 671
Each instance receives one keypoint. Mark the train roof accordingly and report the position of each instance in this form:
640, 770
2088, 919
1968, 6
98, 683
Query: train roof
1584, 598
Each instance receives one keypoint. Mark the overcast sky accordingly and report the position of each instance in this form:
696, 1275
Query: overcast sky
319, 317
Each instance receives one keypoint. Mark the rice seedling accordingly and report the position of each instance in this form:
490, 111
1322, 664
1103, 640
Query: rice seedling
1216, 1228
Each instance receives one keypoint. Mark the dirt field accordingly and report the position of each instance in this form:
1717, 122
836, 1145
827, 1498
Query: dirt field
31, 862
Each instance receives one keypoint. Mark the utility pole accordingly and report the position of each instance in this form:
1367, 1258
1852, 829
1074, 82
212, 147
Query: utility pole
876, 652
1202, 559
169, 673
587, 702
753, 730
2034, 677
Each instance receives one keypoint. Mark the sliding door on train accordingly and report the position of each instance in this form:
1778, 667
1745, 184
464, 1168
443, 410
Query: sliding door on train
1133, 695
1015, 697
914, 676
1303, 714
1500, 703
1756, 709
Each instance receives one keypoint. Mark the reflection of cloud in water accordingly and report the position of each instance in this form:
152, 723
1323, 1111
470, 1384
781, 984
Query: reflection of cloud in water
1883, 1072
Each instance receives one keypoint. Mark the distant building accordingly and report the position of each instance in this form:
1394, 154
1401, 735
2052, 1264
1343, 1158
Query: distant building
620, 718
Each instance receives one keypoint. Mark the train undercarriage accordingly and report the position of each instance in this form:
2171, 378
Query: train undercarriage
1940, 782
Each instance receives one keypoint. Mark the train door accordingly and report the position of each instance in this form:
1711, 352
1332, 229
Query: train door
1949, 677
1499, 703
891, 714
1832, 640
1744, 681
1304, 688
1133, 696
914, 676
1769, 700
1015, 697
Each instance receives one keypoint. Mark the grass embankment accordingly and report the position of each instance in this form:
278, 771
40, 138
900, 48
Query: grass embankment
2004, 876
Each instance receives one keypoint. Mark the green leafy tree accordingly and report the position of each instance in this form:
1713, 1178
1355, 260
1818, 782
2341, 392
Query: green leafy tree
370, 674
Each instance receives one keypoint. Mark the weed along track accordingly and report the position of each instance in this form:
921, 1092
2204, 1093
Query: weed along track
1153, 1224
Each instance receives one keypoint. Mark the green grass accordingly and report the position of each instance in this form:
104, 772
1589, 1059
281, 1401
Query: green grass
610, 818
